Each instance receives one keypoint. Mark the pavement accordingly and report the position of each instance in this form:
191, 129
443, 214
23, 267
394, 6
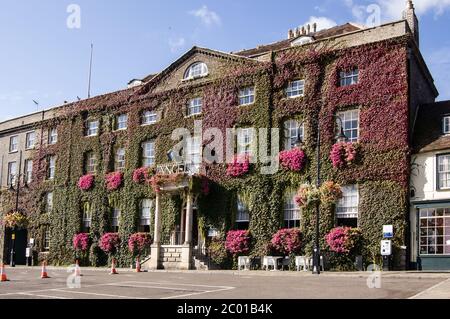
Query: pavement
97, 283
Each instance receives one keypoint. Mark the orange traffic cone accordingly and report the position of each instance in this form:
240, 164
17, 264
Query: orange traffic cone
77, 269
44, 274
138, 265
3, 274
113, 268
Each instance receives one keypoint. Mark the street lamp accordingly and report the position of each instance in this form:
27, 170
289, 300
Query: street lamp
12, 261
316, 250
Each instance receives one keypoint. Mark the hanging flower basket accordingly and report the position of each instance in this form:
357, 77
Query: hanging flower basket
109, 243
343, 154
330, 193
307, 195
142, 175
138, 243
237, 242
86, 182
15, 220
343, 240
292, 160
81, 242
114, 181
239, 167
287, 241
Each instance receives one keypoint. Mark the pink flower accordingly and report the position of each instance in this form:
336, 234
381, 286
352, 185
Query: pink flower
141, 175
342, 154
240, 166
114, 180
86, 182
138, 242
343, 239
80, 242
237, 242
287, 241
293, 159
109, 242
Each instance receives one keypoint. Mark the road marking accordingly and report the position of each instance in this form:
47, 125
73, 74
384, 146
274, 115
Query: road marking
157, 287
40, 295
198, 293
98, 294
174, 284
429, 289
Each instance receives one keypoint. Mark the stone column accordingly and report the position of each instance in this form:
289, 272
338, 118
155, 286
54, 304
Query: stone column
189, 219
156, 246
186, 249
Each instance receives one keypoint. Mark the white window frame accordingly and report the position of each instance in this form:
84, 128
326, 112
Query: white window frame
87, 219
148, 153
53, 136
434, 234
245, 141
348, 117
293, 129
28, 170
49, 202
345, 208
14, 143
295, 89
149, 117
145, 212
194, 107
120, 159
347, 78
242, 212
47, 238
196, 70
115, 221
247, 95
92, 127
12, 173
30, 143
91, 163
51, 167
121, 122
443, 170
194, 154
291, 211
446, 125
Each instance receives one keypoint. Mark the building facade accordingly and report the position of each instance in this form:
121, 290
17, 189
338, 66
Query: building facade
374, 79
430, 197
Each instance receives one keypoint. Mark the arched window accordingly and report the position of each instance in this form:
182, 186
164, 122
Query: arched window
196, 70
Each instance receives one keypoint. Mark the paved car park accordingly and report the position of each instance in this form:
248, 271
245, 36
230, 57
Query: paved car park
98, 284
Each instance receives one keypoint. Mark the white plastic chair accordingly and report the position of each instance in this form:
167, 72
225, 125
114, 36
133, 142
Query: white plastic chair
244, 261
301, 263
268, 261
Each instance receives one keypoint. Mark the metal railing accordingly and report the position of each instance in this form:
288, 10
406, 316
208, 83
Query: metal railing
175, 238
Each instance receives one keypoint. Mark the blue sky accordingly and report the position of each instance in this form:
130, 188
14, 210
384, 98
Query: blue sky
43, 59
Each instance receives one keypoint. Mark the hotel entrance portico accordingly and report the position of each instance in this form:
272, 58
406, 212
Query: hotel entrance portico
176, 251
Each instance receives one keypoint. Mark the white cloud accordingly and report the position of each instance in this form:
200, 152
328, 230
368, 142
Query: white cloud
322, 22
208, 17
176, 44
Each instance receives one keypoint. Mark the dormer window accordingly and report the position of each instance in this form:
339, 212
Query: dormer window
301, 41
196, 70
446, 125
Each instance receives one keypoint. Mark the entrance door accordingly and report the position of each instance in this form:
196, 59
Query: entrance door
20, 246
194, 228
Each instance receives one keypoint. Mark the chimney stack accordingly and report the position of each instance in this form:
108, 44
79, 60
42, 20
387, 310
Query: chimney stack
308, 29
410, 16
314, 27
290, 34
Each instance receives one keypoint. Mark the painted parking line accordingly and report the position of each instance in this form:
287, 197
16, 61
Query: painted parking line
40, 295
97, 294
430, 290
193, 288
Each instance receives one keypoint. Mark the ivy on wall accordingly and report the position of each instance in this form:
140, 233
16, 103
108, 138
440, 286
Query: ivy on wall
381, 171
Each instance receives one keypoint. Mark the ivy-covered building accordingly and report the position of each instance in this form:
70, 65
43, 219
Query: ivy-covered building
89, 180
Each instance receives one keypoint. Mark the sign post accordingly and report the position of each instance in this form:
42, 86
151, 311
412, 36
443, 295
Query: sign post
386, 246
